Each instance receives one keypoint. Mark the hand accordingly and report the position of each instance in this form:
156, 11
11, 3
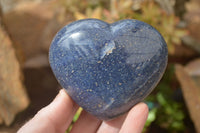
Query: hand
57, 116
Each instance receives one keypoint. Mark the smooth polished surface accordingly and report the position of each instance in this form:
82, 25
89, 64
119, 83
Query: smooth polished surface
108, 68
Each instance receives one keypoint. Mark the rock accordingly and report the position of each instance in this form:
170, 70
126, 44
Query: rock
37, 62
105, 68
191, 43
192, 17
8, 5
13, 98
193, 68
167, 5
191, 93
1, 120
32, 26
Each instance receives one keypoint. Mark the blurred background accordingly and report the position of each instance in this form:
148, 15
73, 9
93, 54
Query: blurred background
26, 80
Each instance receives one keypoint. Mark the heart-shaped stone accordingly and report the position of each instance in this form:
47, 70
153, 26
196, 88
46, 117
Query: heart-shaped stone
108, 68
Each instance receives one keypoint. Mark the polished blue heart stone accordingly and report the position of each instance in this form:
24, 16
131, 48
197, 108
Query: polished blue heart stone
108, 68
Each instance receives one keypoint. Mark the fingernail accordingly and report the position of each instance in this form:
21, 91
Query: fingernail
59, 96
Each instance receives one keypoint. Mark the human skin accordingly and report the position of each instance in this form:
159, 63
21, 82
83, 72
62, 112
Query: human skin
57, 116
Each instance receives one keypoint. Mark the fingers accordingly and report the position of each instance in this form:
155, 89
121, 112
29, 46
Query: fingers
86, 124
136, 119
112, 126
133, 122
54, 118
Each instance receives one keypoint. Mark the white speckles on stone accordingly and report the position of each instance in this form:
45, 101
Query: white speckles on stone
75, 35
107, 49
96, 83
112, 100
137, 68
108, 70
89, 90
99, 61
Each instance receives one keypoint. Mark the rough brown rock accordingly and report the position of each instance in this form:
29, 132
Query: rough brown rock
191, 93
13, 98
1, 120
192, 18
32, 26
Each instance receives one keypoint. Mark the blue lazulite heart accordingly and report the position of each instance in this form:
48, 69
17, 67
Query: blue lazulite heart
108, 68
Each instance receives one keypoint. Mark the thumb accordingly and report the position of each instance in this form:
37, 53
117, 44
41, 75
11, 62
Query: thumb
54, 118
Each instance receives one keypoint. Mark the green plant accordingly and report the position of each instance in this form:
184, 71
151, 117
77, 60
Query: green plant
167, 113
166, 24
76, 116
